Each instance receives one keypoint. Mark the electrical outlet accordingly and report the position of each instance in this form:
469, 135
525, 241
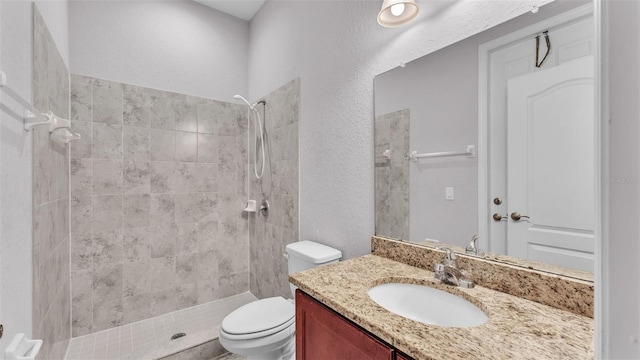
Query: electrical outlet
448, 193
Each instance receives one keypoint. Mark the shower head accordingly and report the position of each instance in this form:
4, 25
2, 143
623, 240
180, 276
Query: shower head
238, 97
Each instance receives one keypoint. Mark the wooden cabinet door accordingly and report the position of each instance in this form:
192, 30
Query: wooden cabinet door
400, 356
323, 334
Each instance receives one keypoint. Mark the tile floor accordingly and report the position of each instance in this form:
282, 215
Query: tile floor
150, 338
229, 356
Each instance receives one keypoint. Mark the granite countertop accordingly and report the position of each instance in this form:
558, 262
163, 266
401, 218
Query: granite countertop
517, 328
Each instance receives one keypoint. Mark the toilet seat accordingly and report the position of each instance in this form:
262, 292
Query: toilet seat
259, 319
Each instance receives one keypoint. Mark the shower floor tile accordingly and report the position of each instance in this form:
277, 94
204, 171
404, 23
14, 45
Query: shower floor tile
151, 338
229, 356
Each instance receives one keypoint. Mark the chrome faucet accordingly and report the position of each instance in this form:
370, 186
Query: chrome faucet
449, 273
472, 248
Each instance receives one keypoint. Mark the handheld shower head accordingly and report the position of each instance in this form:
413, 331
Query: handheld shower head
238, 97
259, 130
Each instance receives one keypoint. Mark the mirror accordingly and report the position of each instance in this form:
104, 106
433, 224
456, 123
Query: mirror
476, 139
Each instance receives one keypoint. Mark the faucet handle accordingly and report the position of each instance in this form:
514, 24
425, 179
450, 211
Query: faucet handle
449, 257
438, 271
449, 254
472, 247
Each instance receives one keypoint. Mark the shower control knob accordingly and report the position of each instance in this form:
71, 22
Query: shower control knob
264, 208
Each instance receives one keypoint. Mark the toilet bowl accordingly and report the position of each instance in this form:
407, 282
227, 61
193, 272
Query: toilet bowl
265, 329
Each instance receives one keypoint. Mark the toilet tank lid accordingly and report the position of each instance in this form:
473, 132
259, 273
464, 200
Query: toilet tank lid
313, 252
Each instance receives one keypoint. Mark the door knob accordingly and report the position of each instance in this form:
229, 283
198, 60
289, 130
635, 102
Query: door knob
498, 217
515, 216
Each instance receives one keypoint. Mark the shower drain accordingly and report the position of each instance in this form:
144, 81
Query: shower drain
178, 336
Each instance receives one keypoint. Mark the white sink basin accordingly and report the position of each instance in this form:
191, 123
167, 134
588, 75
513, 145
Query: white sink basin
427, 305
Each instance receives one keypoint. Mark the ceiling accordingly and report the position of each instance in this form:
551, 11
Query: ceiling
243, 9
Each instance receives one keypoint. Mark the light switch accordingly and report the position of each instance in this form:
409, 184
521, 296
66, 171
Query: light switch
448, 193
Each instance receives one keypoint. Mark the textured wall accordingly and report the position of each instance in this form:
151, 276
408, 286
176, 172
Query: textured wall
156, 200
270, 235
16, 257
392, 174
51, 291
179, 46
336, 48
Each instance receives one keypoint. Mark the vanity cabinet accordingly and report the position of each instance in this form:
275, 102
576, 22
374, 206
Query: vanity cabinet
400, 356
322, 334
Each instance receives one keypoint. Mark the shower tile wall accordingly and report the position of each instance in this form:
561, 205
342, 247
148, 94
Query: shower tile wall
270, 235
392, 174
156, 203
51, 292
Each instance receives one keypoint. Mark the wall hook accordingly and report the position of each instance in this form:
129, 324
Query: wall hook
546, 37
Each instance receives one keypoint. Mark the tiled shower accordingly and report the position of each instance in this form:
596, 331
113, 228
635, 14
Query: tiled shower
156, 203
143, 215
270, 235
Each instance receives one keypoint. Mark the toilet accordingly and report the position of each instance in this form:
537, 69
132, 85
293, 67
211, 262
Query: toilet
265, 329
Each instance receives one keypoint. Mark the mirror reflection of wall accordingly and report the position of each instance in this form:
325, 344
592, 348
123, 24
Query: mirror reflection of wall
392, 174
438, 94
444, 113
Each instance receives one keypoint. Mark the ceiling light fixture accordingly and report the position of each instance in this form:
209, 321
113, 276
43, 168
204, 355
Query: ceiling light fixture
397, 12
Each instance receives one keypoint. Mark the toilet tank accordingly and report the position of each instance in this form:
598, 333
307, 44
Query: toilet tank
307, 254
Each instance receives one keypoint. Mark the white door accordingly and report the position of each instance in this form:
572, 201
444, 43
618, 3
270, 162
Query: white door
550, 161
512, 56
